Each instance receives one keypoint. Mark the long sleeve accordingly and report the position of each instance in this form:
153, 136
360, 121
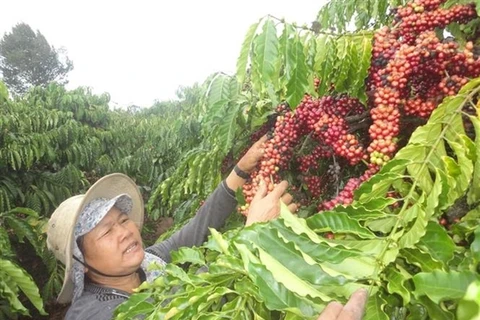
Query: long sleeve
212, 214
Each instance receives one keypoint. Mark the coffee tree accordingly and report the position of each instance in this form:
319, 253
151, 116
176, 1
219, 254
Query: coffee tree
376, 130
53, 144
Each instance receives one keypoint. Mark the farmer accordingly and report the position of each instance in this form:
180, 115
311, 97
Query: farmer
97, 236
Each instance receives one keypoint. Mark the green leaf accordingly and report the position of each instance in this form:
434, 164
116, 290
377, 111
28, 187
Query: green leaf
384, 225
188, 255
289, 255
284, 44
464, 175
395, 284
361, 51
421, 259
376, 187
473, 194
217, 242
417, 312
24, 281
374, 207
297, 78
276, 296
26, 211
417, 154
338, 223
440, 285
136, 305
355, 268
24, 230
374, 308
180, 274
424, 135
368, 247
298, 225
475, 246
289, 279
435, 198
469, 306
344, 291
435, 311
318, 251
343, 63
242, 60
417, 231
225, 263
11, 295
227, 129
363, 212
219, 91
266, 52
322, 48
326, 60
187, 306
437, 243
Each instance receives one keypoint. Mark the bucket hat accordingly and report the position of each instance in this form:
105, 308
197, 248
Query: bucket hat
115, 189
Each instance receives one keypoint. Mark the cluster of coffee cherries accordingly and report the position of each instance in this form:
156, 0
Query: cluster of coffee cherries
321, 119
412, 69
422, 15
345, 196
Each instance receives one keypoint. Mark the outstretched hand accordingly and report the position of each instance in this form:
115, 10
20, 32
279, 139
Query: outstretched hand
266, 206
250, 160
353, 310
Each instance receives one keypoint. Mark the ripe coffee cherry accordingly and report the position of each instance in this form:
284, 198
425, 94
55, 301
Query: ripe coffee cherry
411, 72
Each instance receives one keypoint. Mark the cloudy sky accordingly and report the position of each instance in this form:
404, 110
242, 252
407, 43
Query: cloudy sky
139, 51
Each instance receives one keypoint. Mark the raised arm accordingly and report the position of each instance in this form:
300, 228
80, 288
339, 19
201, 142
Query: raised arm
216, 209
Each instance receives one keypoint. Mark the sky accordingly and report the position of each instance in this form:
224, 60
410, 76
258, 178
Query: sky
142, 51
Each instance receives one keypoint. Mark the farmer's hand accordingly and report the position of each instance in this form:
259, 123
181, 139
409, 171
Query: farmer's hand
265, 207
250, 160
353, 310
246, 164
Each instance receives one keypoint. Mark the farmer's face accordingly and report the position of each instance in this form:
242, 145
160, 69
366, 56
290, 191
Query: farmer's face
114, 246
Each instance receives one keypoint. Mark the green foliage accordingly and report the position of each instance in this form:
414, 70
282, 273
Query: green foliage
276, 63
195, 175
395, 247
296, 71
222, 111
469, 306
18, 223
54, 143
44, 149
341, 15
223, 120
14, 278
28, 60
265, 48
283, 67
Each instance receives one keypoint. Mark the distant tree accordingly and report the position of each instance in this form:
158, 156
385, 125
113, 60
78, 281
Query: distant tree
27, 59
